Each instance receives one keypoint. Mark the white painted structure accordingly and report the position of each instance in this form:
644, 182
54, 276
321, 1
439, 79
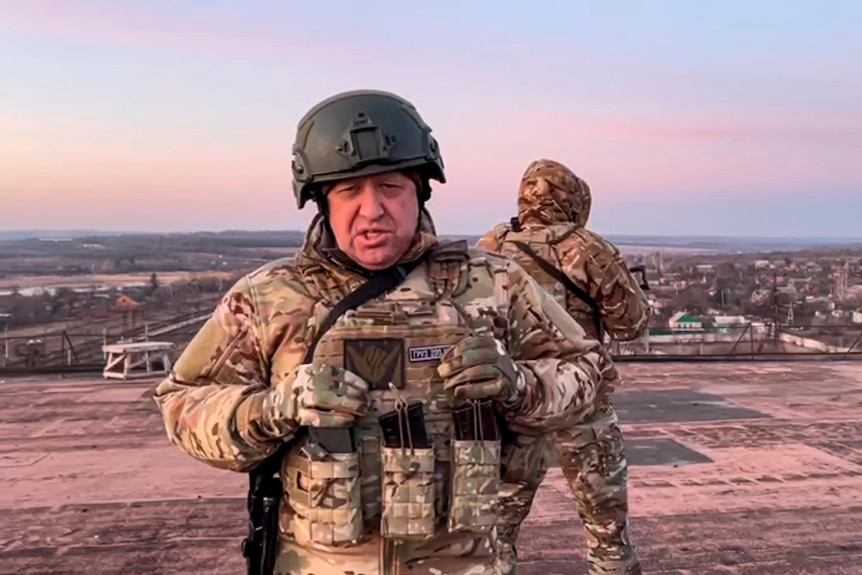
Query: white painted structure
137, 360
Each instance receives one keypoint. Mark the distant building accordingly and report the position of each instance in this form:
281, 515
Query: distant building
655, 306
789, 291
839, 277
682, 321
760, 296
730, 321
125, 303
800, 283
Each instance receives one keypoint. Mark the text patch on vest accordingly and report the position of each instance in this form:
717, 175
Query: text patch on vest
378, 361
427, 353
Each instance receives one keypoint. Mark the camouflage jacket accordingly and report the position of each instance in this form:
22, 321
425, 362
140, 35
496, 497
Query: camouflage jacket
553, 208
212, 402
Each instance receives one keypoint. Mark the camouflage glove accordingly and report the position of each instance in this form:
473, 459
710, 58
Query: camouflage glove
479, 367
319, 396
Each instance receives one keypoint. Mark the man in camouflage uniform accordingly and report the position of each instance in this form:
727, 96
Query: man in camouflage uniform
464, 332
553, 208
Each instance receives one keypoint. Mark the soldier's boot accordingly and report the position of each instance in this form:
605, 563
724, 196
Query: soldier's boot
507, 535
508, 558
610, 552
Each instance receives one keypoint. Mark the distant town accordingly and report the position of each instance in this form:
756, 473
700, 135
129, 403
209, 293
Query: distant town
795, 289
703, 294
808, 298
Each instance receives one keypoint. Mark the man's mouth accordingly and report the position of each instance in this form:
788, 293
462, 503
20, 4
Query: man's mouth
372, 234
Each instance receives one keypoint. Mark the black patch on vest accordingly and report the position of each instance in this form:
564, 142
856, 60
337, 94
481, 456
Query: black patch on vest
427, 353
377, 361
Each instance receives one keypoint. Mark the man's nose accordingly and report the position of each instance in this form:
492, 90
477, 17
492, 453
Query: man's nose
371, 202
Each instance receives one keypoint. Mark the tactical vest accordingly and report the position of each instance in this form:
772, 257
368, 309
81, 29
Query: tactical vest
543, 240
410, 491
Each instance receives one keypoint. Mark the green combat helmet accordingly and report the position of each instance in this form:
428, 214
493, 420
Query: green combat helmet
360, 133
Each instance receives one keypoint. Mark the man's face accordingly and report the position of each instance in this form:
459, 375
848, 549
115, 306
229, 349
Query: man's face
374, 218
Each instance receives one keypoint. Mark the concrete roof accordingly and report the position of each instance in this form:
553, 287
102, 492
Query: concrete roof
735, 469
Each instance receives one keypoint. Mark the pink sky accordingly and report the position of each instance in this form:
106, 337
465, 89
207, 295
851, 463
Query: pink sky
134, 117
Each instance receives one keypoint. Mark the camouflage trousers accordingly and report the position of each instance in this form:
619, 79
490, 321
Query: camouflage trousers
592, 459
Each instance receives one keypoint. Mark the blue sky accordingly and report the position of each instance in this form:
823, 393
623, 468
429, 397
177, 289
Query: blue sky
733, 118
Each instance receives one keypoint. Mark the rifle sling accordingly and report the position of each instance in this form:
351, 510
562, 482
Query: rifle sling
566, 281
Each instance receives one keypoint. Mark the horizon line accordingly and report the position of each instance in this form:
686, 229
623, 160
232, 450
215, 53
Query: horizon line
73, 233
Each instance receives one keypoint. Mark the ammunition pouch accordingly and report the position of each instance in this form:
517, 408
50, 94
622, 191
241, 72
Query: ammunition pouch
475, 476
408, 510
408, 493
323, 488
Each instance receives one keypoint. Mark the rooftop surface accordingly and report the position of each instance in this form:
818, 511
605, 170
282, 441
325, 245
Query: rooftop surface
742, 468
